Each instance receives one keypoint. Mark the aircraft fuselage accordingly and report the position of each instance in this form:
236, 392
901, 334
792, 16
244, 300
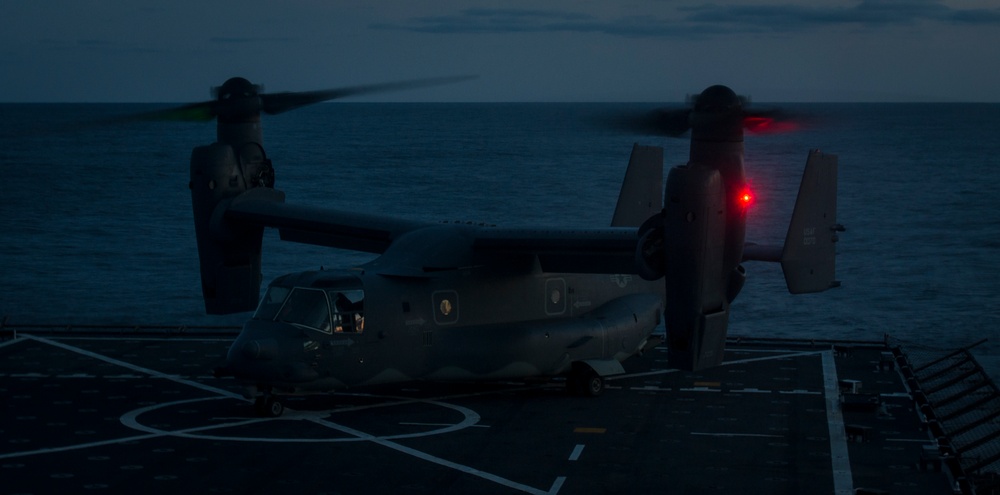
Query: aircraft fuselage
334, 329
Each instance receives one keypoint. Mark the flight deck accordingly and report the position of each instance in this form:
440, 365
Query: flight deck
100, 410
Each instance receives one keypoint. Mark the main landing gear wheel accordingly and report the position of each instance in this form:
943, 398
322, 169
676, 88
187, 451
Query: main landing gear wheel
585, 381
268, 406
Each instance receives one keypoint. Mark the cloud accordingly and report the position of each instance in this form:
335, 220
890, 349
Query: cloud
868, 13
708, 19
96, 45
540, 21
223, 40
493, 21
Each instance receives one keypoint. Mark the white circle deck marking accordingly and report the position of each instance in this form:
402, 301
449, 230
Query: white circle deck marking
131, 420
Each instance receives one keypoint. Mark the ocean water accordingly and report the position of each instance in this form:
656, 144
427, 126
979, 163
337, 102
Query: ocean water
96, 222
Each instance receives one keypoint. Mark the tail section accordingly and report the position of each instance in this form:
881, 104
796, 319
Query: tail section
642, 190
808, 257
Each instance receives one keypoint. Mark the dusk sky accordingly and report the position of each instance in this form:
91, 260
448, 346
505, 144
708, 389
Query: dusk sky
562, 50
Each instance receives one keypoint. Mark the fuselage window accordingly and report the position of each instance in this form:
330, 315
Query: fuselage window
348, 310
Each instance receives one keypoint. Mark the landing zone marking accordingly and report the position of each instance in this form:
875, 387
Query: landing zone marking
130, 419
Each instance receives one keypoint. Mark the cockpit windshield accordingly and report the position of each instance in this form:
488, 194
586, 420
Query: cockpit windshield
271, 303
328, 311
306, 307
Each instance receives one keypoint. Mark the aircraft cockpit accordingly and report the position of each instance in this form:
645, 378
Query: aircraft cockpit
327, 310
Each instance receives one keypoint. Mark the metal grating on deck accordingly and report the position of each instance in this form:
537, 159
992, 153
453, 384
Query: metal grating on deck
961, 405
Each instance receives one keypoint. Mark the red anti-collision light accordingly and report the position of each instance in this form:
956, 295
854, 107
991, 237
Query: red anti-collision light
745, 197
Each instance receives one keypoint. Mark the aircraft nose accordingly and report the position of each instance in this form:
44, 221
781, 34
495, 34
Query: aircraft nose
261, 349
267, 352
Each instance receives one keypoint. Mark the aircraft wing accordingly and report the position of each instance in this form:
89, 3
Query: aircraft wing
599, 250
320, 226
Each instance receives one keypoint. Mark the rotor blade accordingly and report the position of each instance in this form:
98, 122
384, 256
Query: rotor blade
194, 112
274, 103
659, 122
770, 121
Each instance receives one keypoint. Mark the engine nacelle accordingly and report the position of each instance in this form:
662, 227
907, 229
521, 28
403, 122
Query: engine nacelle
230, 255
697, 280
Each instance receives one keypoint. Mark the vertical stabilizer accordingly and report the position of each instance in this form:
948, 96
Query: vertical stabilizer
808, 259
641, 195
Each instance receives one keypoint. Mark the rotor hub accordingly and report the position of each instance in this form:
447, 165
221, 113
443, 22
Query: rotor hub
717, 116
238, 100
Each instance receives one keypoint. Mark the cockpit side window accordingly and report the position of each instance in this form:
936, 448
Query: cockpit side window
307, 307
348, 310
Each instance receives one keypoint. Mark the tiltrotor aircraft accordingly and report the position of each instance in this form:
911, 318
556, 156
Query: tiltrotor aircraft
449, 301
